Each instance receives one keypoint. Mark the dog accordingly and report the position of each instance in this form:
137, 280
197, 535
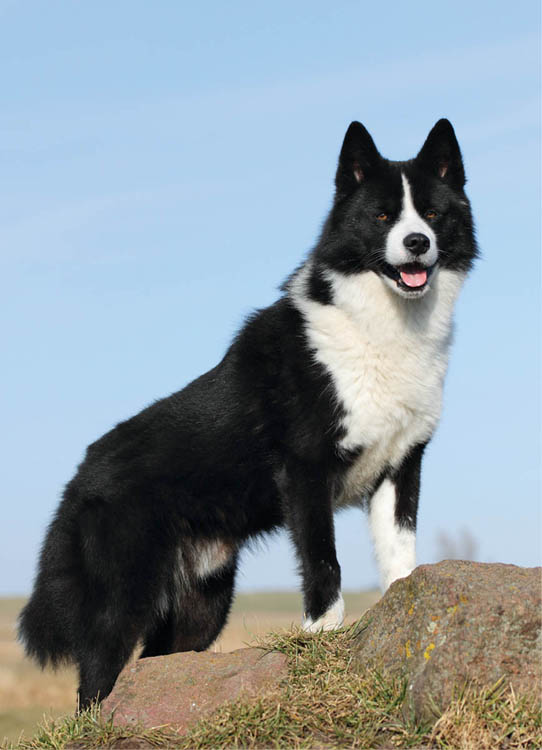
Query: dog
325, 399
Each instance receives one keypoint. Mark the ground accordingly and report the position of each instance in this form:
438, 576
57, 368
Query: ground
26, 693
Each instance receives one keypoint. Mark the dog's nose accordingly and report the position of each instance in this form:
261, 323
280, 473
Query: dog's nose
416, 243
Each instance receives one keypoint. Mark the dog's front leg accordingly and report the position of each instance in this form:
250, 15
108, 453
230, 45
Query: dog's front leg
392, 516
307, 506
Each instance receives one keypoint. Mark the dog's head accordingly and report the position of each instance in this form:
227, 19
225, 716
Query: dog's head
400, 220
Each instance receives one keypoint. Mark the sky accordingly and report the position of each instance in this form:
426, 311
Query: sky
164, 166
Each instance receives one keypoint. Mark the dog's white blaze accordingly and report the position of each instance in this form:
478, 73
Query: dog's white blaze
331, 619
409, 221
395, 547
387, 357
210, 556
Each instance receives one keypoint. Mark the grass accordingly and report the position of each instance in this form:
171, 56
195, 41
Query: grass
324, 704
27, 693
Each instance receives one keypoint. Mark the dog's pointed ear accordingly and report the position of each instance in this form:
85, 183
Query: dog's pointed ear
359, 156
440, 155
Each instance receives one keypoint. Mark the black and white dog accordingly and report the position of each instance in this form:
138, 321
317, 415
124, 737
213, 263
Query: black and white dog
325, 399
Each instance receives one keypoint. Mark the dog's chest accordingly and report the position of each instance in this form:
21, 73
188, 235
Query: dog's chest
387, 363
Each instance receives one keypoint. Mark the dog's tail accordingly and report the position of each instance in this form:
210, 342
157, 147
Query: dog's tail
46, 624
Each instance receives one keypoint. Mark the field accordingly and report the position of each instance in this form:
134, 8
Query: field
26, 693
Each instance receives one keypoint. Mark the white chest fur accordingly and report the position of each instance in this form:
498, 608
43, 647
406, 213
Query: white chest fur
387, 357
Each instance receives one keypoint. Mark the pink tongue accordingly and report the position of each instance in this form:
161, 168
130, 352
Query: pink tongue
414, 279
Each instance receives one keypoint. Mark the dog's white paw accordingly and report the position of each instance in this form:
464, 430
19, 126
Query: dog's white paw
332, 619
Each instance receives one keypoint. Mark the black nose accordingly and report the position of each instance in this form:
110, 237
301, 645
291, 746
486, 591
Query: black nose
416, 243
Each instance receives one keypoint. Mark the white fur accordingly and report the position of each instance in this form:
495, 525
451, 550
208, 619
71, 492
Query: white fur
331, 619
387, 357
198, 560
180, 581
395, 547
211, 556
409, 221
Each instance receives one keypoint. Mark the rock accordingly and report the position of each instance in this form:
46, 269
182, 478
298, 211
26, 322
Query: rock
454, 623
179, 689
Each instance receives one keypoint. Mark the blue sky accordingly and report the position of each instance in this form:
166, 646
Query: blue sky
165, 165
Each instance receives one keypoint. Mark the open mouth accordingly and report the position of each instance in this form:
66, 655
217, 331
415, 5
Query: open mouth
410, 277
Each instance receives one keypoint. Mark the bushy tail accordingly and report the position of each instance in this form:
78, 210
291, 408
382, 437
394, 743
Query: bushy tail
45, 625
41, 632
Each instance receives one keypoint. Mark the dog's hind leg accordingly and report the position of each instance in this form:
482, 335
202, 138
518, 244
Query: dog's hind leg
101, 662
161, 638
196, 619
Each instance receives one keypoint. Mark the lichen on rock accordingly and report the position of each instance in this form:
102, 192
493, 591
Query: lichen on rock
456, 623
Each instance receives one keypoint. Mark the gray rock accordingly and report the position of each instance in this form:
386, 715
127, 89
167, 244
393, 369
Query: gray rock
455, 623
179, 689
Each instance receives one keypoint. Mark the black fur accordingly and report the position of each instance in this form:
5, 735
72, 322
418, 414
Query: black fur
250, 446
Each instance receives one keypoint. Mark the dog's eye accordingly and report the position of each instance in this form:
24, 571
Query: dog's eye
383, 216
430, 214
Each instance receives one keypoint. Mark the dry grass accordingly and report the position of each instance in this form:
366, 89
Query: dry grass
26, 693
326, 705
489, 719
323, 704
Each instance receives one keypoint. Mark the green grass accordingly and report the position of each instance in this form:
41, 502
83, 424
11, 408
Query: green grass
26, 694
324, 704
